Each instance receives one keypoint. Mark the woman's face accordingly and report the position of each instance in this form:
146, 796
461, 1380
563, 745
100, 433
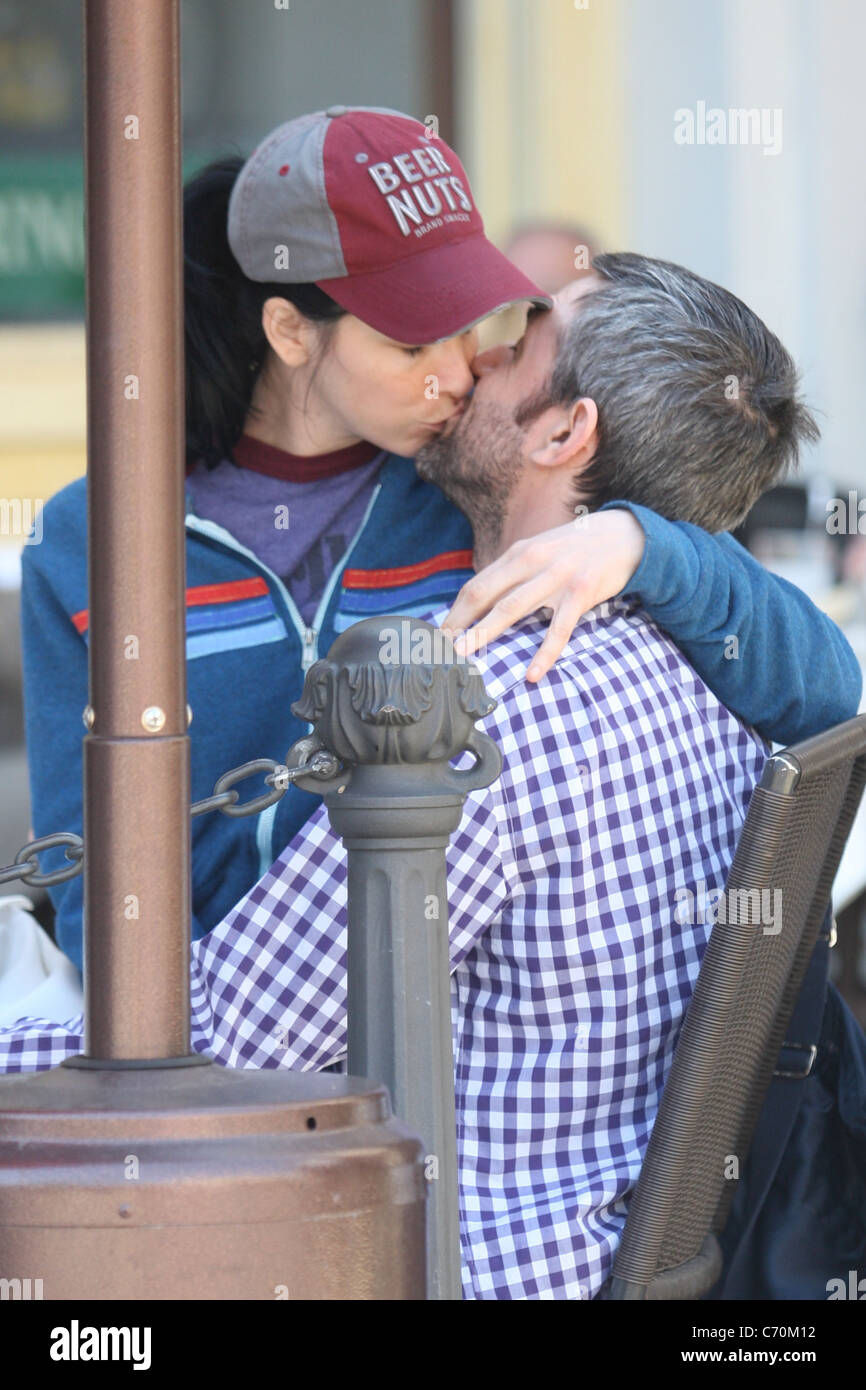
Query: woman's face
393, 394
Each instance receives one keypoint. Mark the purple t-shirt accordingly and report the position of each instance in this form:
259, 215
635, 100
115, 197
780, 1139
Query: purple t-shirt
298, 524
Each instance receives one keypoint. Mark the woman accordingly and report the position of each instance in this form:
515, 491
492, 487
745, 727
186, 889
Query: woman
334, 282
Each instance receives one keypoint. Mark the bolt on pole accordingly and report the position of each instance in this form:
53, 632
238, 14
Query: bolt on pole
395, 726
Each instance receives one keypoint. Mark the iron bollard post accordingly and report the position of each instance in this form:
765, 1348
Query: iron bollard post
394, 703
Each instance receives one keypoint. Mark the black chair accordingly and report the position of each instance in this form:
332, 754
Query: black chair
798, 821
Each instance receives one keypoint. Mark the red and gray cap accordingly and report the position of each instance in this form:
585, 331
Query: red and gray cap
377, 211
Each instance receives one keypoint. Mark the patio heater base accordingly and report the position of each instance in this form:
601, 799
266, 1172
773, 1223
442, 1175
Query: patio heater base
200, 1182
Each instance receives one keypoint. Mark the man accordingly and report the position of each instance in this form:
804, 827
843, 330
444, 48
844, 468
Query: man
625, 782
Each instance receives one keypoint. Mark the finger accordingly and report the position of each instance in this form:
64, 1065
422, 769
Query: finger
472, 639
562, 625
475, 639
543, 590
484, 589
511, 608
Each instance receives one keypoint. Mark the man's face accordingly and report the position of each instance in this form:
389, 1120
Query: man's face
479, 456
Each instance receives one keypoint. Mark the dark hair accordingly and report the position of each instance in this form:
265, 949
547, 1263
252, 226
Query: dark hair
225, 342
697, 399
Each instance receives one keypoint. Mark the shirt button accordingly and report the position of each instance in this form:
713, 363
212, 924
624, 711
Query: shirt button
336, 110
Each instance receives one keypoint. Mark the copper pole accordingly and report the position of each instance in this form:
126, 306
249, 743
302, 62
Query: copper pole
136, 757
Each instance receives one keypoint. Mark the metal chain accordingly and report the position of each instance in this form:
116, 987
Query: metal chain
27, 855
319, 764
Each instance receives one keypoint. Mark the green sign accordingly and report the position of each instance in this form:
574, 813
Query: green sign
42, 235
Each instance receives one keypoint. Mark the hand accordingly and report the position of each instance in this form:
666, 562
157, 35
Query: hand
568, 570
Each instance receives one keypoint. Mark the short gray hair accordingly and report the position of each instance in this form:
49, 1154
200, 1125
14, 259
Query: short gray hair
697, 399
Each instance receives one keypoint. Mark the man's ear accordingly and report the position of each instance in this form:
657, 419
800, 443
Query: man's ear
570, 436
289, 333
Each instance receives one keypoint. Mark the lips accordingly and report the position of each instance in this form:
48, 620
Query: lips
455, 415
441, 425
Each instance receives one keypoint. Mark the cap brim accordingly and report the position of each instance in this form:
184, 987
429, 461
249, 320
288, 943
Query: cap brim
436, 294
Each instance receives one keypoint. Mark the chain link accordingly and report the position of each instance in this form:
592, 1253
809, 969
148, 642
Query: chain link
224, 795
74, 851
320, 763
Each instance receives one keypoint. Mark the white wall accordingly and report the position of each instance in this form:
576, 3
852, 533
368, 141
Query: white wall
786, 232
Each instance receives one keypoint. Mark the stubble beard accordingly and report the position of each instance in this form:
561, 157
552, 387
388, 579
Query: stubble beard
477, 465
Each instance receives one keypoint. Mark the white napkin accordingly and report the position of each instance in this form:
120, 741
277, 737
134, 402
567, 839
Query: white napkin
36, 979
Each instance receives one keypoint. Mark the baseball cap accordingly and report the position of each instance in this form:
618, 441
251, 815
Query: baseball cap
376, 210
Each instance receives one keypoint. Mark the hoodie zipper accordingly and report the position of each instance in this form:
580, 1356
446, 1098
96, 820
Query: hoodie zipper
308, 653
309, 635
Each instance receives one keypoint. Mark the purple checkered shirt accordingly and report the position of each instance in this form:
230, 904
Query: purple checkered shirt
624, 786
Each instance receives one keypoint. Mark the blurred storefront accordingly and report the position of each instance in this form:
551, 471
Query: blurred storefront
562, 110
246, 67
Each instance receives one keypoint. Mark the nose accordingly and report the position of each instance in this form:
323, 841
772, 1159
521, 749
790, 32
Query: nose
491, 359
453, 370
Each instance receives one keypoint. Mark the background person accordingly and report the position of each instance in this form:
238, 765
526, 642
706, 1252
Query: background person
551, 253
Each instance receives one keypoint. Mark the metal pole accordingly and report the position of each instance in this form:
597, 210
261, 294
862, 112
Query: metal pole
132, 1174
396, 723
136, 755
